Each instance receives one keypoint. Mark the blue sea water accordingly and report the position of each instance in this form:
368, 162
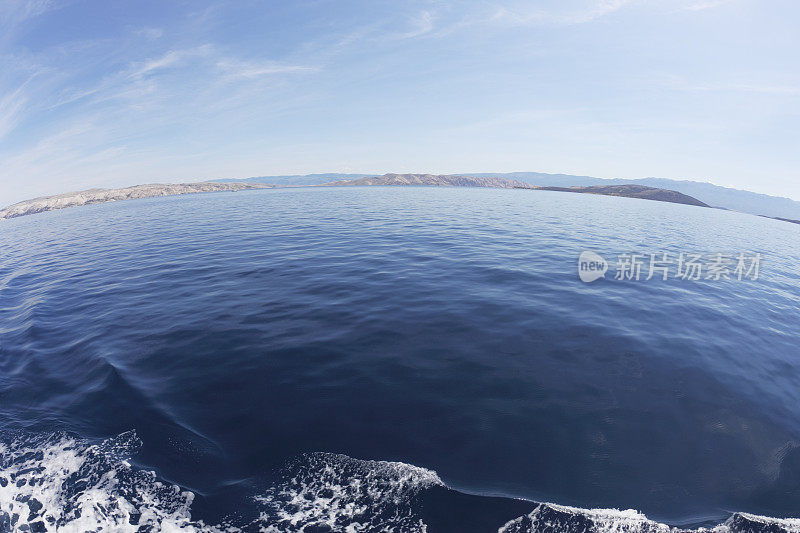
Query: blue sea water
399, 359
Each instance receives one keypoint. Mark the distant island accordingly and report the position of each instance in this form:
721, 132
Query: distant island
708, 193
784, 219
430, 180
434, 180
96, 196
633, 191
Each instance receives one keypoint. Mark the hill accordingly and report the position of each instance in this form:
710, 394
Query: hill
294, 180
96, 196
713, 195
633, 191
432, 180
707, 193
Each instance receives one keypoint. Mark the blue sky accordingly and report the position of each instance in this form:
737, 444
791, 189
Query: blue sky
113, 93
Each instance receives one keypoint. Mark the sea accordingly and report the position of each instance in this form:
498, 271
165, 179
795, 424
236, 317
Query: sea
359, 359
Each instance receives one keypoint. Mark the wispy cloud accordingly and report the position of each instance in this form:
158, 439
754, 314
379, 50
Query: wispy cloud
150, 33
18, 90
249, 70
17, 11
169, 59
707, 4
524, 15
11, 106
207, 57
423, 23
680, 83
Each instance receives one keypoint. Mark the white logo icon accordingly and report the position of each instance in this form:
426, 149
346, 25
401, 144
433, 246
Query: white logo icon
591, 266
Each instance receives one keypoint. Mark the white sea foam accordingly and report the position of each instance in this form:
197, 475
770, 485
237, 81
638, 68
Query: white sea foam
60, 483
789, 525
348, 495
548, 517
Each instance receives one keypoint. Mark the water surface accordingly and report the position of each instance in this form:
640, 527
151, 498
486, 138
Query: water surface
249, 337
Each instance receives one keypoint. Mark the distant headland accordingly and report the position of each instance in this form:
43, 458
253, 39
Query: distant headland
96, 196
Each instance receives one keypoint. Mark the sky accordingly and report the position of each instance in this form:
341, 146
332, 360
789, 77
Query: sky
122, 92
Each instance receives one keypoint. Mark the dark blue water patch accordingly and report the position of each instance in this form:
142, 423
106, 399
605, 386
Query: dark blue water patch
442, 328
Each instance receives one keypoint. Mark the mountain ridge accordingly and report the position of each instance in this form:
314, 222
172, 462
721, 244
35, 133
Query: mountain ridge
431, 180
714, 195
641, 192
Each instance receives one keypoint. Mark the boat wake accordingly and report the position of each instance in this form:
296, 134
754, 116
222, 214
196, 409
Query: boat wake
548, 517
59, 482
338, 493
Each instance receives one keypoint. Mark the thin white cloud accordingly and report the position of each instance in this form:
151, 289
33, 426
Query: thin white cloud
17, 92
150, 33
14, 13
681, 84
11, 106
207, 57
524, 16
707, 4
423, 23
249, 70
17, 11
763, 89
169, 59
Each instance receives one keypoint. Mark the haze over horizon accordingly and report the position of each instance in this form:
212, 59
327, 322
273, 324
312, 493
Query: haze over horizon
96, 94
